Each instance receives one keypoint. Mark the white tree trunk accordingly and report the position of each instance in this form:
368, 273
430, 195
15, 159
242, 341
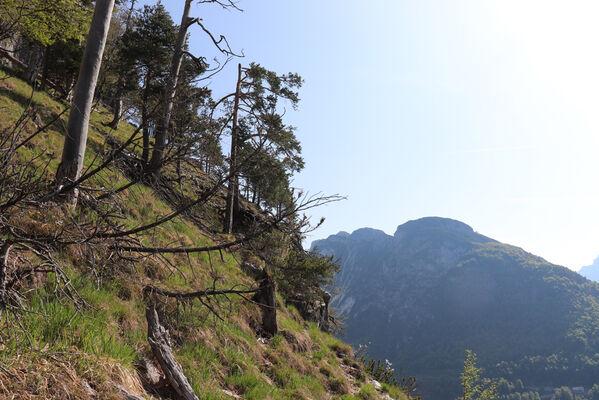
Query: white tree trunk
73, 152
232, 189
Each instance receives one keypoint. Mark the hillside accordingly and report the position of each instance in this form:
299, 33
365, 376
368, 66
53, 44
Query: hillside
74, 321
436, 288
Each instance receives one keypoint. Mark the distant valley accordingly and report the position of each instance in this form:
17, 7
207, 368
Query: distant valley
435, 288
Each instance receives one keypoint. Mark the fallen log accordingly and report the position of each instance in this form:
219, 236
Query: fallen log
159, 342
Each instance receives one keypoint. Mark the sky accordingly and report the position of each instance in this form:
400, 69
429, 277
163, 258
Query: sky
482, 111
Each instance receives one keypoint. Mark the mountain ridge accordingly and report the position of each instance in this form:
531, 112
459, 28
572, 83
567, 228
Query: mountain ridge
421, 297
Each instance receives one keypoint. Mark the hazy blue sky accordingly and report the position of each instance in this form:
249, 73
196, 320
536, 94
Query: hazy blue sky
482, 111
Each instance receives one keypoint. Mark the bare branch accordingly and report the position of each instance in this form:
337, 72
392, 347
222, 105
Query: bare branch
226, 49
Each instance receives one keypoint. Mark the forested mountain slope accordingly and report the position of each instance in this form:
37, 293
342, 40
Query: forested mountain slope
436, 288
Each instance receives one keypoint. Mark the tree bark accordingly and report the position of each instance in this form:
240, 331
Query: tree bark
267, 300
117, 109
161, 136
159, 342
265, 296
73, 151
145, 154
232, 192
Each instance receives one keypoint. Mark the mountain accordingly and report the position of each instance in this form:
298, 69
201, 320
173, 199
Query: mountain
591, 271
435, 288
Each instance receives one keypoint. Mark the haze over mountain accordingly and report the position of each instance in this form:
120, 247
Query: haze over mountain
436, 287
591, 271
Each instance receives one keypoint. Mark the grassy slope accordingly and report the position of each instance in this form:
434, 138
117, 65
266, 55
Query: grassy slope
63, 353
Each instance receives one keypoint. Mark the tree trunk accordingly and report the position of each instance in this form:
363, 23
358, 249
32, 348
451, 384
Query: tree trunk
117, 107
159, 342
232, 190
266, 298
46, 66
161, 136
35, 60
74, 145
145, 153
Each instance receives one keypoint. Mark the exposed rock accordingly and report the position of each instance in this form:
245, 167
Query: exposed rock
313, 310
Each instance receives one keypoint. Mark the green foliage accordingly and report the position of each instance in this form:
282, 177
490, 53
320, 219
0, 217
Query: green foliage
47, 21
146, 49
263, 134
473, 386
305, 272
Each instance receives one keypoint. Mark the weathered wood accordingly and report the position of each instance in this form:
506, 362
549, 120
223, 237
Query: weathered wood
127, 395
4, 250
159, 342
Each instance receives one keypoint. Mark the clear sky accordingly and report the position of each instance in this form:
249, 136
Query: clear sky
482, 111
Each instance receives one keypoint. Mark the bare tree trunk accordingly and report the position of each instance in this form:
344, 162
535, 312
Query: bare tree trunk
161, 135
74, 145
117, 109
159, 342
232, 190
46, 66
145, 153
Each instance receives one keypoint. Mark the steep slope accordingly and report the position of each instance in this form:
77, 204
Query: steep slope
436, 288
591, 271
89, 341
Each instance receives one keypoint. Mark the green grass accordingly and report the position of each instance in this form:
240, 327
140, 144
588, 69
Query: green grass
110, 329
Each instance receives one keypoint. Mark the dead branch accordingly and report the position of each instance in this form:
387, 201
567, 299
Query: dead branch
226, 49
195, 295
